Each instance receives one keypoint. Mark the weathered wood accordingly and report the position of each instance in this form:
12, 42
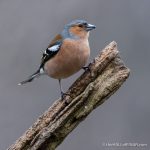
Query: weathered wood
107, 73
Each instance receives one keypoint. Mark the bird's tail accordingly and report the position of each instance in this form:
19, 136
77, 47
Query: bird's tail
32, 77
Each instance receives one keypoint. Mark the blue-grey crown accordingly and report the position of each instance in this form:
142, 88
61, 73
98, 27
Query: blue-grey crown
74, 22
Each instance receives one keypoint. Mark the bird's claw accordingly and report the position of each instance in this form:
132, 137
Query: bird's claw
86, 68
63, 94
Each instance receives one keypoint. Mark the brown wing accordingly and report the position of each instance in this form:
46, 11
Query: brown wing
57, 38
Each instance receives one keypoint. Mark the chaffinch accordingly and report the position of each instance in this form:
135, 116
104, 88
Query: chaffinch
67, 53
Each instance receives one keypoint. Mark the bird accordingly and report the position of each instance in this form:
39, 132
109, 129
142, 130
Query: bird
66, 54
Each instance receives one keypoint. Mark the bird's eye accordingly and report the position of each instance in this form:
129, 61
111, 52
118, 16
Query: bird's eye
80, 25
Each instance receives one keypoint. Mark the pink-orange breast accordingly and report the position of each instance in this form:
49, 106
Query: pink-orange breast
72, 56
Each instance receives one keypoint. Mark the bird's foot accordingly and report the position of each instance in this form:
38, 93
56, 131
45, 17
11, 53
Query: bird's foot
63, 94
86, 68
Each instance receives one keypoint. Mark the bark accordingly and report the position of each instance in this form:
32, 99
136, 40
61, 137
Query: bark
107, 73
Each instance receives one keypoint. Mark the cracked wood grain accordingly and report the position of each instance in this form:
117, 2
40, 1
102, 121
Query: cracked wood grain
107, 73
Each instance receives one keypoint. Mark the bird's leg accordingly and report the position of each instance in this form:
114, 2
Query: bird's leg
61, 90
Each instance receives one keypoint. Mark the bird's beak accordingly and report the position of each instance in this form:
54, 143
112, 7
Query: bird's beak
90, 27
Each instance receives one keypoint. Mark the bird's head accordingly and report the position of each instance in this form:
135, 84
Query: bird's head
79, 28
